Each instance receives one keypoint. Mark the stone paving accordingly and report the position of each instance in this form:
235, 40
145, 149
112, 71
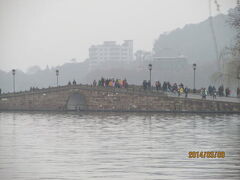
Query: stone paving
210, 98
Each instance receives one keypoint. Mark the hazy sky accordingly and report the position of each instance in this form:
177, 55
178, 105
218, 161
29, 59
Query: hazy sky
52, 32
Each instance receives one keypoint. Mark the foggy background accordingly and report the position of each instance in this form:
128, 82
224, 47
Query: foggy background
37, 37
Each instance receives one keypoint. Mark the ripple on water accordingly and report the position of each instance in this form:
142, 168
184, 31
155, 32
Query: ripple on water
117, 146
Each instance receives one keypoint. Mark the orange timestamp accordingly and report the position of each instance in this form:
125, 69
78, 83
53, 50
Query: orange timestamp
206, 154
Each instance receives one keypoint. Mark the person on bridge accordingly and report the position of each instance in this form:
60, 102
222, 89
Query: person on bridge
74, 82
94, 83
221, 90
179, 92
210, 90
227, 92
186, 90
214, 89
238, 92
144, 84
149, 84
214, 94
174, 88
204, 93
125, 83
158, 85
180, 89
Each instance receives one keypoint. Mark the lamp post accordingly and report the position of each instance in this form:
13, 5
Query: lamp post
57, 74
150, 69
238, 77
13, 73
194, 69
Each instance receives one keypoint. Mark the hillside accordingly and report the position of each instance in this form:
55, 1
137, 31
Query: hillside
195, 41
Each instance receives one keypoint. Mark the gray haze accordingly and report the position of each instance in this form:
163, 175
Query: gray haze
194, 41
52, 32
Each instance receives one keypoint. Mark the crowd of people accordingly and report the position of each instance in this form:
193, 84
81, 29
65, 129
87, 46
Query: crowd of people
181, 89
212, 91
73, 83
34, 88
111, 82
147, 84
168, 87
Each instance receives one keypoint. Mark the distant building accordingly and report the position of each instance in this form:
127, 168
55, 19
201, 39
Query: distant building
170, 62
110, 51
142, 55
169, 58
162, 63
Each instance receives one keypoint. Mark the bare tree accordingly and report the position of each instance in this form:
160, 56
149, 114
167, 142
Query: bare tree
234, 21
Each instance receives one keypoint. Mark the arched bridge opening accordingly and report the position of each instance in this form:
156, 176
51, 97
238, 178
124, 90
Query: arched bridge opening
76, 102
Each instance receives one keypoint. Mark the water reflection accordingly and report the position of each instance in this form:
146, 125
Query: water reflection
117, 146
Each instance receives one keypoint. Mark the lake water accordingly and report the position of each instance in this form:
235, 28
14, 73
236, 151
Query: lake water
117, 146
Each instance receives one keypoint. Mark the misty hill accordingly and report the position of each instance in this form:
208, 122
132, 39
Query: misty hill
195, 41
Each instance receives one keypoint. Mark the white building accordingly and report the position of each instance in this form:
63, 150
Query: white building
110, 51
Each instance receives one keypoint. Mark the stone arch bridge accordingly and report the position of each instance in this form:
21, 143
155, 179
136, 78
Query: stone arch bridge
88, 98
